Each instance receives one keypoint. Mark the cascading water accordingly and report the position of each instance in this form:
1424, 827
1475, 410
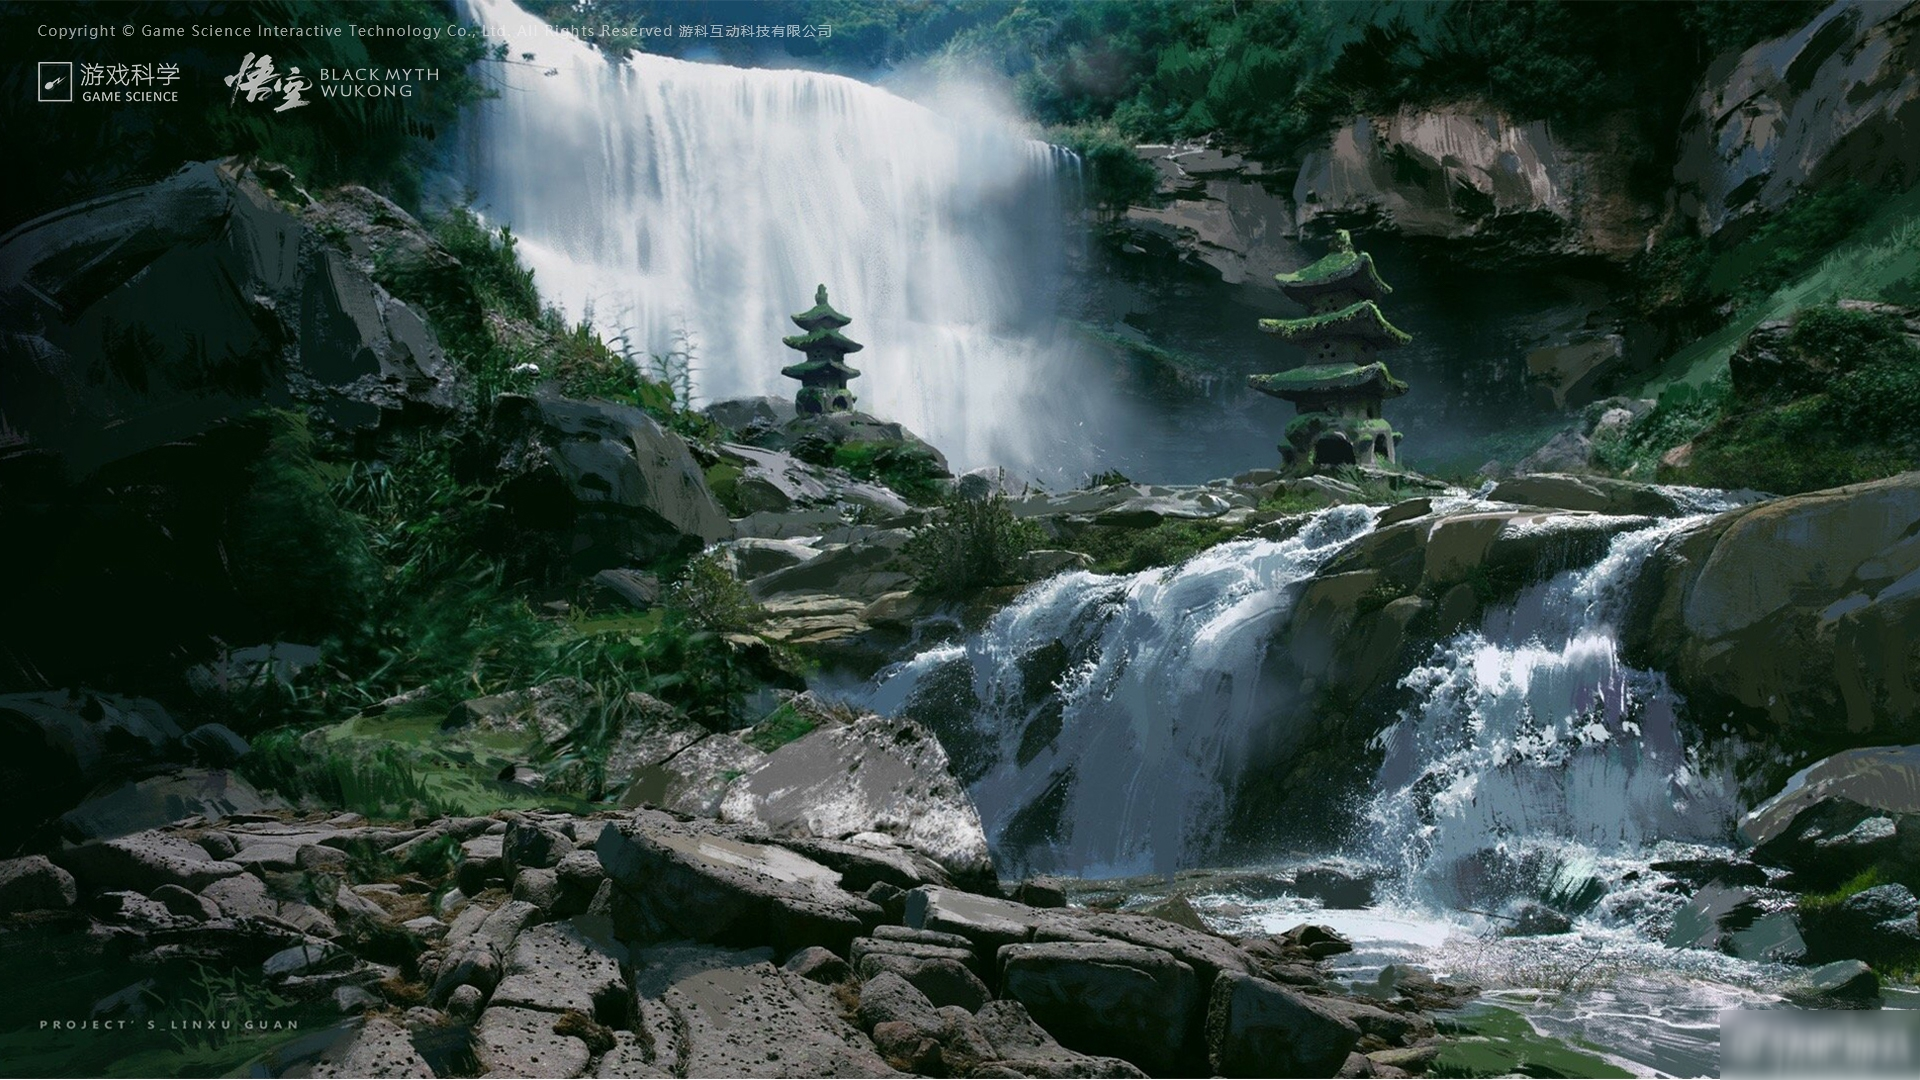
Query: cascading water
659, 196
1109, 712
1534, 748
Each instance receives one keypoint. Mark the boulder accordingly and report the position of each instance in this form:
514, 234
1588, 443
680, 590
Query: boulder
511, 1041
715, 1012
55, 746
620, 587
1136, 1003
32, 883
144, 862
672, 882
694, 780
1021, 1047
1712, 917
751, 415
987, 922
1880, 925
648, 732
216, 745
376, 1047
559, 966
873, 775
1841, 815
1844, 984
1599, 494
1260, 1028
601, 483
542, 714
1831, 102
1794, 615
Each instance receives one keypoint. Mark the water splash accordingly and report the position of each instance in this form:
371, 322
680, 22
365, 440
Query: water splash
664, 195
1534, 750
1108, 714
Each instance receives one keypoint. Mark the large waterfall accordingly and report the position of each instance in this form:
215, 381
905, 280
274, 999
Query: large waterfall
661, 196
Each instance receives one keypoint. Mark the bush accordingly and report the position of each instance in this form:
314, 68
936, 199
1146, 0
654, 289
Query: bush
911, 471
974, 544
1128, 551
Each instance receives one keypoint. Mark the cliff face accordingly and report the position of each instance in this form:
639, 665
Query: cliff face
1837, 100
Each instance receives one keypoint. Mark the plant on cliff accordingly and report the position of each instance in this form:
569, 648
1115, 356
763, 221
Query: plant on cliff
971, 545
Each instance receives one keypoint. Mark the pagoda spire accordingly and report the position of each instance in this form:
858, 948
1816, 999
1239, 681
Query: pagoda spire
1339, 392
824, 373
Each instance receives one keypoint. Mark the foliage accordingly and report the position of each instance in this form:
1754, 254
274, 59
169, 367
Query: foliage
781, 727
384, 142
1127, 551
1104, 478
709, 597
910, 470
1112, 176
973, 544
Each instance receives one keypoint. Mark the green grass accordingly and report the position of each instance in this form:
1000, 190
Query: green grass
1487, 1040
1127, 551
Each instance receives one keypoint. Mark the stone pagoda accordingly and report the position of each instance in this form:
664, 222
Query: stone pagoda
1339, 391
824, 373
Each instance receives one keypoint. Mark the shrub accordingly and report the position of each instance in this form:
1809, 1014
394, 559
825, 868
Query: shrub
911, 471
973, 544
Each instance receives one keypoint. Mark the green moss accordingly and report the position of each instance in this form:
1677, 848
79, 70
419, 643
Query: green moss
1362, 320
1126, 551
910, 470
724, 480
781, 727
1487, 1040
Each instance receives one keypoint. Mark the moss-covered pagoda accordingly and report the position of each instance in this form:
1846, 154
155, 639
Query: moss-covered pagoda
824, 373
1339, 392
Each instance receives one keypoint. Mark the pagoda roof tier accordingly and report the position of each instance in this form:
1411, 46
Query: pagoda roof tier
825, 336
1362, 320
1340, 271
820, 314
805, 368
1317, 381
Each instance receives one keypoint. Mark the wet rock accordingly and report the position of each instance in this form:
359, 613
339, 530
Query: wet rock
715, 1012
1040, 892
1535, 920
614, 487
216, 745
1819, 578
1338, 886
1259, 1028
1830, 102
1845, 984
1136, 1003
695, 780
523, 1042
378, 1047
1841, 815
874, 775
32, 883
672, 882
1711, 915
1599, 494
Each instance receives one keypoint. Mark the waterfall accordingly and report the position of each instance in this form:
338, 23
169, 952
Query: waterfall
661, 196
1533, 749
1100, 718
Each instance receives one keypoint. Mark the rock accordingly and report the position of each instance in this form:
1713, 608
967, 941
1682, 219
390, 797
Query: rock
186, 904
1046, 562
216, 745
1833, 101
771, 481
1880, 925
873, 775
523, 1042
1536, 920
608, 483
866, 859
1318, 942
865, 567
1566, 452
1137, 1003
1336, 884
620, 587
531, 844
987, 481
695, 780
1041, 892
1023, 1048
478, 946
59, 745
1574, 373
887, 998
755, 556
306, 958
538, 887
465, 1002
819, 965
482, 862
672, 882
558, 966
1599, 494
145, 861
352, 1000
1825, 580
986, 922
32, 883
1259, 1028
544, 714
751, 414
1841, 815
1498, 188
378, 1047
714, 1012
1711, 916
1845, 984
945, 980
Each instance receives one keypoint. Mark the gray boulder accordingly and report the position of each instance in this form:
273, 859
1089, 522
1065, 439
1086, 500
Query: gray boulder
1260, 1028
511, 1041
873, 775
1136, 1003
1880, 925
1841, 815
559, 966
1599, 494
377, 1047
673, 882
1844, 984
144, 862
696, 779
33, 883
602, 482
1021, 1047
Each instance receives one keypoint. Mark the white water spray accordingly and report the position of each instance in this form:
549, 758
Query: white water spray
1150, 684
660, 195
